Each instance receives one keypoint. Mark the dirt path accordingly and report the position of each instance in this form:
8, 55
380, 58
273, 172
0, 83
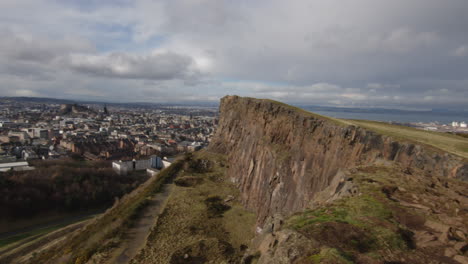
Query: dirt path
137, 235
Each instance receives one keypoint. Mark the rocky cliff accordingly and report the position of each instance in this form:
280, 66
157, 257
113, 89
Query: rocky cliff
282, 157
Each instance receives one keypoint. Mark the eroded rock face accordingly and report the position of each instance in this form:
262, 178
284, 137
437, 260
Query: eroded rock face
280, 157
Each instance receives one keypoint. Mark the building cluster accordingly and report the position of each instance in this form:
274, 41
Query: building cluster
454, 127
30, 130
152, 165
459, 124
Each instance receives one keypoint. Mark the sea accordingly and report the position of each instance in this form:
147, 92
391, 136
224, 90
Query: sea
399, 116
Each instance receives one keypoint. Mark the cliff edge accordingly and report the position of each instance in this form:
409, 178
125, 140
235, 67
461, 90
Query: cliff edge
281, 156
327, 190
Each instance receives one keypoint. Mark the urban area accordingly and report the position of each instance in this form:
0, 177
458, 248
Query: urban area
134, 137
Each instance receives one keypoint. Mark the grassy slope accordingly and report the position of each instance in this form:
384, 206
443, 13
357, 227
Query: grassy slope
442, 141
372, 227
106, 230
189, 232
38, 232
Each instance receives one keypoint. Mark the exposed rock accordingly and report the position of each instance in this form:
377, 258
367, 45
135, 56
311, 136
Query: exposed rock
281, 247
461, 259
461, 246
450, 252
281, 157
229, 198
455, 234
426, 239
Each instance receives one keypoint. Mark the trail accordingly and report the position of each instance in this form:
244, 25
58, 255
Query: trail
136, 236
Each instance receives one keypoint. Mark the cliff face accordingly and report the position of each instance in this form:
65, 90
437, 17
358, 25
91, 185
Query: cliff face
280, 157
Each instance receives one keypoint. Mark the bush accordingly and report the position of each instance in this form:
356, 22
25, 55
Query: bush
216, 207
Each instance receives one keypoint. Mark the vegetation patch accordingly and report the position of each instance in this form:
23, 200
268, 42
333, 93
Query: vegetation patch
188, 181
197, 165
202, 223
331, 256
362, 226
111, 225
61, 187
216, 207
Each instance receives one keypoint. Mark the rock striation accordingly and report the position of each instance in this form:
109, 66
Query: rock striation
281, 157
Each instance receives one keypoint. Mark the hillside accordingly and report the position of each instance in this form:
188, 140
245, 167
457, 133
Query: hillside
282, 185
288, 161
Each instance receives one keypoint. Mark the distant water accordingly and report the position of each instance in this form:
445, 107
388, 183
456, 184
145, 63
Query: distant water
409, 117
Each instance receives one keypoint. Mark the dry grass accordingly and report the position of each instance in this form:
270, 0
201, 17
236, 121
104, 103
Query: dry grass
189, 231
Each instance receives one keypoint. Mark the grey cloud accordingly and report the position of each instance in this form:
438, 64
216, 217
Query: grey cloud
361, 52
23, 46
161, 66
36, 57
461, 51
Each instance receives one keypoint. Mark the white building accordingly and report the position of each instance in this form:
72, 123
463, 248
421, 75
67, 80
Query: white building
455, 124
124, 167
16, 166
463, 125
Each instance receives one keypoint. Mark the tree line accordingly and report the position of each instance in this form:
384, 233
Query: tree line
62, 186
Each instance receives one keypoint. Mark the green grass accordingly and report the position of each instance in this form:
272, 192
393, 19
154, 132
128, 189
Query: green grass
370, 215
331, 255
355, 210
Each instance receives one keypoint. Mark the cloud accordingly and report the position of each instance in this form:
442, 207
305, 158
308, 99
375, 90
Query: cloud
26, 55
461, 51
364, 52
27, 47
158, 66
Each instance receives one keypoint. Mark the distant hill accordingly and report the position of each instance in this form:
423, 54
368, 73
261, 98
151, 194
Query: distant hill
43, 100
39, 100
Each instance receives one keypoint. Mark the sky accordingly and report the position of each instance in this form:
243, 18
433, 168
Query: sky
409, 54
